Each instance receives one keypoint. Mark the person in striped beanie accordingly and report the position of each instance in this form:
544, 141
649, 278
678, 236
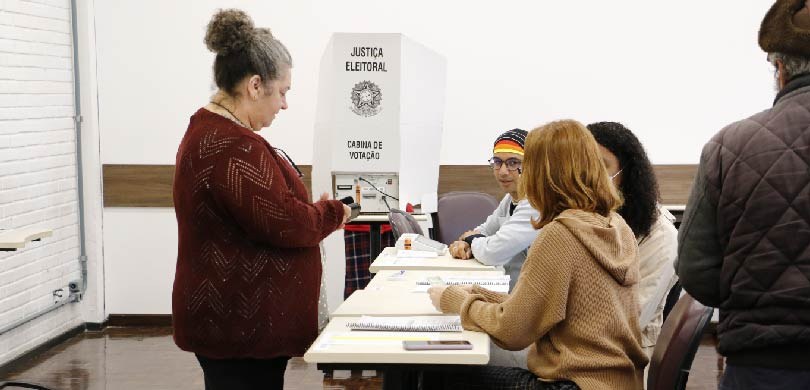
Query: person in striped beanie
510, 142
505, 236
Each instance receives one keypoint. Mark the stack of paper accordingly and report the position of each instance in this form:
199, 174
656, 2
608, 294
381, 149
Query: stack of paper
497, 283
407, 324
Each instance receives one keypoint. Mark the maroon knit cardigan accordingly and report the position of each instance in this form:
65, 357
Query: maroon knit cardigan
248, 263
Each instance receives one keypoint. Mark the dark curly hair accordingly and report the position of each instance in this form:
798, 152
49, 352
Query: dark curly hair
639, 186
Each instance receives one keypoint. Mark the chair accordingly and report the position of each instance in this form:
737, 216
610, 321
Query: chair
461, 211
22, 385
677, 344
672, 298
402, 223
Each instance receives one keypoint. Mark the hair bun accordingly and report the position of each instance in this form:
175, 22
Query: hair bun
229, 31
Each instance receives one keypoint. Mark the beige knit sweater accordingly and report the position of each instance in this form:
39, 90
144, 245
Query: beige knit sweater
575, 303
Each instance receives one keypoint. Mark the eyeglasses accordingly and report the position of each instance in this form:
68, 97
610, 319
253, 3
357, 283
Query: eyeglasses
616, 174
512, 164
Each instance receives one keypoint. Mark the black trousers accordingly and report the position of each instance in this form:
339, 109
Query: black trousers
243, 374
757, 378
491, 378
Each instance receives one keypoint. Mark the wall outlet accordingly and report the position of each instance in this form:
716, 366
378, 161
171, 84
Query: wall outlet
59, 296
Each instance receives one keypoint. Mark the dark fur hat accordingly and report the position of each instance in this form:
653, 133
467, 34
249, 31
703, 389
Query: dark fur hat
786, 28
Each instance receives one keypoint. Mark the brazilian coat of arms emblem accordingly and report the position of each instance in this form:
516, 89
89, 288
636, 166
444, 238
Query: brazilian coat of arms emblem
366, 97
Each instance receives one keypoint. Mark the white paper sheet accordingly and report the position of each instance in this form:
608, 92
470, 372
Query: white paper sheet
416, 255
422, 288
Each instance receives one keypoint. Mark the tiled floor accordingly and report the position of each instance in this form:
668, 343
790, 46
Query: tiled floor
146, 358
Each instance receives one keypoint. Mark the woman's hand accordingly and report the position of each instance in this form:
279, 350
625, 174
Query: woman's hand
460, 250
347, 211
435, 293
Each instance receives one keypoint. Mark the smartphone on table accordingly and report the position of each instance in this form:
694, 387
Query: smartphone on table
422, 345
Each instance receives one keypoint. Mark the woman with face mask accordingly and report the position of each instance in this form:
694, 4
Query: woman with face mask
632, 173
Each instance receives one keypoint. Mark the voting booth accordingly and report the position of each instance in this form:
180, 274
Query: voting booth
378, 129
378, 134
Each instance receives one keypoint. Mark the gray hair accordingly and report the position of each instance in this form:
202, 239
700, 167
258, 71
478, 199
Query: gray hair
268, 52
243, 50
794, 65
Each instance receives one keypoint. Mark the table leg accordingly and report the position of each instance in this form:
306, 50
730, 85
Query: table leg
395, 379
375, 243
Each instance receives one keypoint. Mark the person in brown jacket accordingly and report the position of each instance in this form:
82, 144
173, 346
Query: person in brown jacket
744, 245
248, 264
575, 303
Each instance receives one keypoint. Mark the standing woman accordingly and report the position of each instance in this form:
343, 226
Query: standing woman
575, 301
631, 171
248, 265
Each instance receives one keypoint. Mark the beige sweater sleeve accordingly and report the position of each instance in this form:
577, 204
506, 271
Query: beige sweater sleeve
537, 303
489, 295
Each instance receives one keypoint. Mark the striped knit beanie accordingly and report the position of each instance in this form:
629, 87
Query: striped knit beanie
511, 141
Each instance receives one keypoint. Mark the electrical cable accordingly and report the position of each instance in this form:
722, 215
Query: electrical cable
377, 189
386, 203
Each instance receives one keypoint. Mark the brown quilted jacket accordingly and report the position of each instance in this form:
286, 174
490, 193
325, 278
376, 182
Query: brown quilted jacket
745, 240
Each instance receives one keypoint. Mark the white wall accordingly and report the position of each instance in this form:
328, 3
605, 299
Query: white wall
675, 73
140, 250
93, 305
38, 170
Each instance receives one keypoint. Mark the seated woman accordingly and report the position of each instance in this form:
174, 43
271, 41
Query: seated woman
575, 302
657, 238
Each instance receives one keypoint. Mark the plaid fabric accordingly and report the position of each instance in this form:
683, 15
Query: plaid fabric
491, 377
358, 258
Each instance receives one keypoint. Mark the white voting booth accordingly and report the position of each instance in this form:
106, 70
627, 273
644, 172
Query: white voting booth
378, 130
